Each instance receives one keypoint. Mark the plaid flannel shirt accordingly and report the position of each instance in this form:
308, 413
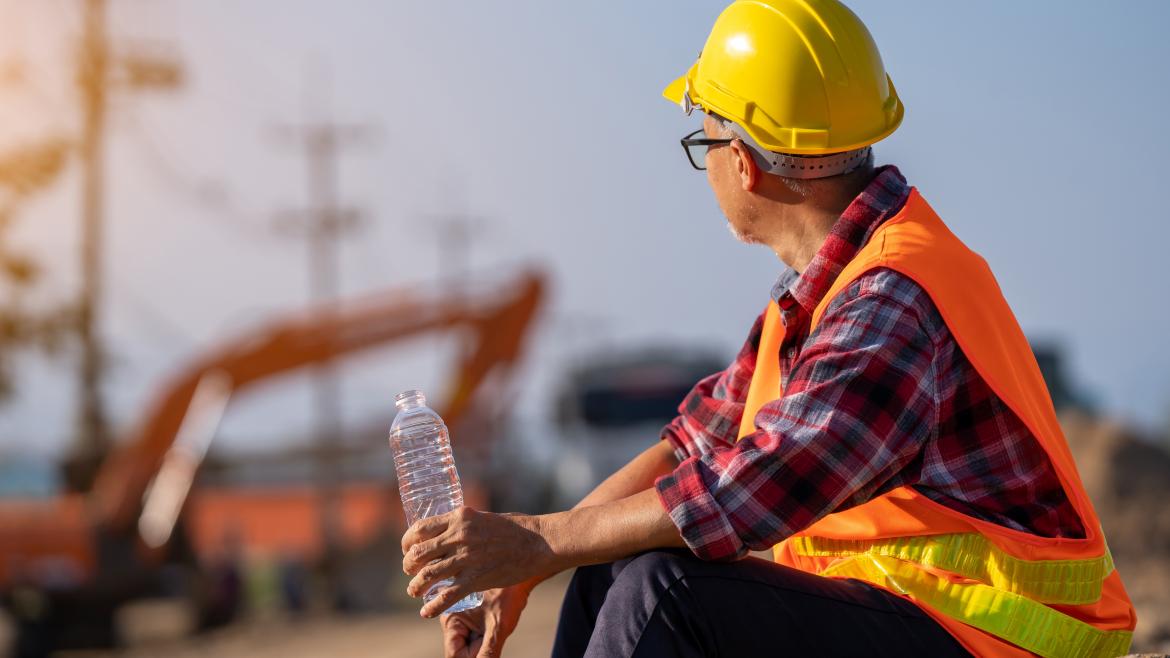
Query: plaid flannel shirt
879, 396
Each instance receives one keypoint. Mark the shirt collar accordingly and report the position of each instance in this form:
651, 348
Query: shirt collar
881, 199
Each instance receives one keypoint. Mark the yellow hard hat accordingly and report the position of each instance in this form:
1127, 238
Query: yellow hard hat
799, 76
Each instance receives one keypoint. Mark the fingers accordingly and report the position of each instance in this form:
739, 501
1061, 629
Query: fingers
425, 552
431, 574
445, 599
433, 537
423, 529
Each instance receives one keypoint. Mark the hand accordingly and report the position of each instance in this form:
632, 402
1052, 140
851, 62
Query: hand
480, 632
477, 550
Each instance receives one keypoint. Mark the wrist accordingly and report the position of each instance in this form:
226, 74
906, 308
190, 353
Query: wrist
525, 588
557, 554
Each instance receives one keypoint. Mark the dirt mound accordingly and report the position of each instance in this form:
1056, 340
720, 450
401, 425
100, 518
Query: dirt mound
1128, 479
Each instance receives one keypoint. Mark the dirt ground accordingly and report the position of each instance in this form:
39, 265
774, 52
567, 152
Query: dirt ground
401, 635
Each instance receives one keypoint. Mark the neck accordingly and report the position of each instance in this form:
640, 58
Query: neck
804, 231
801, 221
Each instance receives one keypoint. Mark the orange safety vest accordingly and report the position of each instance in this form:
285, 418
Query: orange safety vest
998, 591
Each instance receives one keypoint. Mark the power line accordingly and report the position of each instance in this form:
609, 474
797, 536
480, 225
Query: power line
206, 193
164, 329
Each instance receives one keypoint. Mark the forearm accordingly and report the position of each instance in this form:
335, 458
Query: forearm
635, 477
609, 531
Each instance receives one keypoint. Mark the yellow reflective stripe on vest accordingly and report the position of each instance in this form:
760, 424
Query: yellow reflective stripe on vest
972, 555
1019, 620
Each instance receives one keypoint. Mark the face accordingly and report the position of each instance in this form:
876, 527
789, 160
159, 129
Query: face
732, 175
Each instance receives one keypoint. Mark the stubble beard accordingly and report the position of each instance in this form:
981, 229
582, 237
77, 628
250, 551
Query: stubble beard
743, 236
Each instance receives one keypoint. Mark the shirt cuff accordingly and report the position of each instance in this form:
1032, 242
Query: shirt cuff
679, 440
700, 520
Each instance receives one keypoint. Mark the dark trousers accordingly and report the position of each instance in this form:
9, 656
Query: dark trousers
670, 603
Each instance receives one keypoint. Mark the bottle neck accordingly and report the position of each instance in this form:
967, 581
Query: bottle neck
410, 400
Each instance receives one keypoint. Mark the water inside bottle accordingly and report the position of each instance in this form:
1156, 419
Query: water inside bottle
466, 603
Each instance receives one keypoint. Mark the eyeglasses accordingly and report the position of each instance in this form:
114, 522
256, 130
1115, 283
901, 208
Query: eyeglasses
692, 146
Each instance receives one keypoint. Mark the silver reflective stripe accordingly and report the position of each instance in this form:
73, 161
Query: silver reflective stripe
803, 167
823, 166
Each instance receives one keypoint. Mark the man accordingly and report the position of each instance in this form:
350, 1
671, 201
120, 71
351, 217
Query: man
885, 425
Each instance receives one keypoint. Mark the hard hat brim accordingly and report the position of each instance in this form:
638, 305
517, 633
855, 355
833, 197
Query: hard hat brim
675, 90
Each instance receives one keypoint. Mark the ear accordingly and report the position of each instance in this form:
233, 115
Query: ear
745, 166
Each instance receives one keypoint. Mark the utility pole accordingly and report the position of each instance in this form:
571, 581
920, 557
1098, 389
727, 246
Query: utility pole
455, 234
323, 223
92, 78
455, 231
99, 72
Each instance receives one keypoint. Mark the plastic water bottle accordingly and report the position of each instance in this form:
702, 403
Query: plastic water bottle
427, 479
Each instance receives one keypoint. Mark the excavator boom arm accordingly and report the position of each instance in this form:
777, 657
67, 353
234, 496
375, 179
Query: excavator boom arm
499, 326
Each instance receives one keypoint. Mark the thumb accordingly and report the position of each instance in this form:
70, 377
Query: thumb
493, 639
455, 638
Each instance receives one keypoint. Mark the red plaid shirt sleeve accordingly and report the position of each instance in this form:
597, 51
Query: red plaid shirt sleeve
711, 412
859, 405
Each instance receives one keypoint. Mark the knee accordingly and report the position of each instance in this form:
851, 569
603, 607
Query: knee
647, 604
650, 574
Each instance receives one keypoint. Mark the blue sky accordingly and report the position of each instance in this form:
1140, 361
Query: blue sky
1035, 129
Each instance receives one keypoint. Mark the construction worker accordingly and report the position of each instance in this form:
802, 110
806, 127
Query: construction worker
885, 427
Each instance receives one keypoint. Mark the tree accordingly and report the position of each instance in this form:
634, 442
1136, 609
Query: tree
24, 172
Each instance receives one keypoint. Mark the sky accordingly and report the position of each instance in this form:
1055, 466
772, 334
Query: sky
1035, 129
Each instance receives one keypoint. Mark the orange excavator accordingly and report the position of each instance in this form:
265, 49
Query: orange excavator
102, 539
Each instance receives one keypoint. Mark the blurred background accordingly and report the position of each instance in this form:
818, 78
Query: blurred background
231, 232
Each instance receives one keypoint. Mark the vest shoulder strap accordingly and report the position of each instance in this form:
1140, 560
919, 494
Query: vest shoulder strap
916, 243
